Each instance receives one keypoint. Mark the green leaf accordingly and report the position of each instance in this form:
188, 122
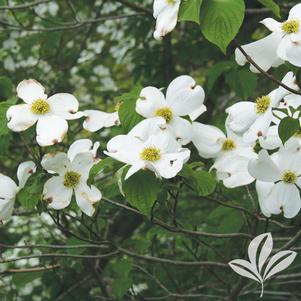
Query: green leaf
216, 71
120, 287
190, 10
227, 219
6, 87
30, 195
287, 128
243, 82
221, 20
201, 181
3, 120
127, 111
274, 7
21, 279
101, 166
141, 190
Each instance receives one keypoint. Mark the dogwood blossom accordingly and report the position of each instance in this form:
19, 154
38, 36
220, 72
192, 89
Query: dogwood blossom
230, 152
284, 44
166, 14
183, 97
278, 179
253, 119
159, 153
97, 120
9, 189
73, 172
50, 114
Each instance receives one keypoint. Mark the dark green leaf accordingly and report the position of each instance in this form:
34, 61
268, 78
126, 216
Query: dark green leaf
21, 279
221, 20
141, 190
243, 82
201, 181
190, 10
127, 111
30, 195
287, 128
6, 88
120, 287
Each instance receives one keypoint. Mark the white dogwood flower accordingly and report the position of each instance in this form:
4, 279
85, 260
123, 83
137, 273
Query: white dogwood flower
289, 47
50, 114
73, 172
166, 14
230, 152
283, 44
183, 97
96, 120
9, 189
160, 153
281, 174
253, 119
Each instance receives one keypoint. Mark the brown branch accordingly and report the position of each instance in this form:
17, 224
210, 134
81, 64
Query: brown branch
23, 6
31, 270
266, 74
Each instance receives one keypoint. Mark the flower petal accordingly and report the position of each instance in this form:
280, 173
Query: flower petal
263, 168
64, 105
82, 163
293, 54
198, 112
263, 52
181, 129
30, 90
241, 116
8, 188
25, 170
97, 120
271, 24
150, 100
20, 118
171, 164
295, 12
271, 139
184, 96
284, 198
56, 163
167, 20
56, 194
82, 146
86, 197
6, 208
206, 138
51, 130
263, 190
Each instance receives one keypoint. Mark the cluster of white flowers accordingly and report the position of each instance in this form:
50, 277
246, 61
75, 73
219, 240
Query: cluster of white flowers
159, 142
283, 44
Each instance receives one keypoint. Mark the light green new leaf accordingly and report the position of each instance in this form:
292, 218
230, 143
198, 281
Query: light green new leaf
221, 20
201, 181
274, 7
190, 10
287, 128
141, 191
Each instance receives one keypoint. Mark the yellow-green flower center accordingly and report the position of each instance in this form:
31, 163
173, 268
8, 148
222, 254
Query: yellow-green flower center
228, 145
164, 112
40, 107
150, 154
171, 1
71, 179
289, 177
262, 104
291, 26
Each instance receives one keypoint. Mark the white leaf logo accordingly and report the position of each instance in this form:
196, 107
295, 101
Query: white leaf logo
259, 251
